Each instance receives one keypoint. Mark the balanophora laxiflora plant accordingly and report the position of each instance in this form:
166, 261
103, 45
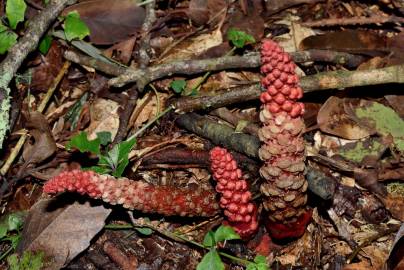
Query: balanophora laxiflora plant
282, 150
136, 195
283, 170
235, 198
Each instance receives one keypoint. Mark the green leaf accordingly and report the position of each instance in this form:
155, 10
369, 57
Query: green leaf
7, 39
15, 10
105, 137
99, 169
74, 27
359, 150
144, 230
119, 156
260, 259
241, 125
14, 239
28, 261
239, 38
225, 233
260, 263
382, 119
45, 44
211, 261
13, 262
73, 115
3, 230
209, 239
178, 85
251, 266
81, 142
15, 221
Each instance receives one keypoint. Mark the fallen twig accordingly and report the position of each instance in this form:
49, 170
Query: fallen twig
144, 58
354, 21
189, 67
323, 81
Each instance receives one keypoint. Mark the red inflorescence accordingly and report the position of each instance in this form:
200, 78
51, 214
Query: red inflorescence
136, 195
235, 198
283, 146
280, 80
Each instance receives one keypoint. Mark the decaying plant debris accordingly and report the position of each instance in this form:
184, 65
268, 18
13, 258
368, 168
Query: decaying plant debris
146, 91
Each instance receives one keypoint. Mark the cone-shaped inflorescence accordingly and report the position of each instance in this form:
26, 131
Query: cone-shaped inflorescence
136, 195
240, 211
283, 149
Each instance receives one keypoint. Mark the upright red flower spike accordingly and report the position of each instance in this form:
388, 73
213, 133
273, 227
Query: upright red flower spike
136, 195
283, 147
240, 211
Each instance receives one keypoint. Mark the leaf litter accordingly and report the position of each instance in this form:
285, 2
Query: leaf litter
357, 135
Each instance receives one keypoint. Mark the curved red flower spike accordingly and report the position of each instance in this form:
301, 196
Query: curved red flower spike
240, 211
136, 195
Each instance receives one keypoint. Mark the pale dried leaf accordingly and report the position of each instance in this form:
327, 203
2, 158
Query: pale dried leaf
44, 145
60, 229
196, 46
333, 119
104, 117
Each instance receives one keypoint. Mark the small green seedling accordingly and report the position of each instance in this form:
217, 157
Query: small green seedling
112, 161
239, 38
212, 260
10, 231
74, 27
15, 11
28, 261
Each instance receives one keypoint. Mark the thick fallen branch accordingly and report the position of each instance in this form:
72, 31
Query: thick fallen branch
16, 55
219, 134
189, 67
323, 81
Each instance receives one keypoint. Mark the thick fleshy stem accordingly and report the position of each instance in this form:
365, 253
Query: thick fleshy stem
283, 150
240, 211
136, 195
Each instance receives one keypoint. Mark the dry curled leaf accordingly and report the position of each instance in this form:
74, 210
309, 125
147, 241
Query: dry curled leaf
60, 229
333, 119
395, 204
353, 41
44, 145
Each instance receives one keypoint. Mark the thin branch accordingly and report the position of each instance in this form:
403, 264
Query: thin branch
104, 67
144, 58
323, 81
354, 21
189, 67
16, 55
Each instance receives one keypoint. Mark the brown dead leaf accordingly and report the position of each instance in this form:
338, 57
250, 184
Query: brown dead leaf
122, 51
395, 204
333, 119
48, 68
148, 110
104, 117
201, 11
396, 256
60, 229
353, 41
396, 102
110, 21
363, 265
44, 145
252, 24
195, 46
